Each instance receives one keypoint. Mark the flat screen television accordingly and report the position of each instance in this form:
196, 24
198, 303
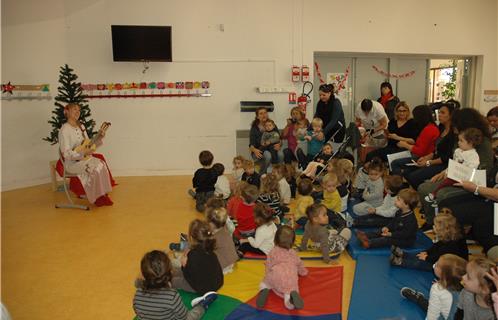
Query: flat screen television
141, 43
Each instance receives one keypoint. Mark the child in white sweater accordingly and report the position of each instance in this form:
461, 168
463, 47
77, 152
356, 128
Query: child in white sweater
222, 185
263, 240
381, 215
374, 190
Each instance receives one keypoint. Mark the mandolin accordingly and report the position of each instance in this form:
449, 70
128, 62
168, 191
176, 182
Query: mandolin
91, 143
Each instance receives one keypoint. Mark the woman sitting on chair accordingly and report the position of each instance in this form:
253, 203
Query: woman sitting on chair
94, 178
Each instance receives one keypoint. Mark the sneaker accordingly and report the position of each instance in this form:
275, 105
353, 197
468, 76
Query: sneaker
395, 260
363, 239
175, 246
410, 294
183, 237
191, 193
397, 251
205, 300
296, 300
429, 198
434, 205
262, 297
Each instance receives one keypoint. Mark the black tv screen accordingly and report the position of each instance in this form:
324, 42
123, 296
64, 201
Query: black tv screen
141, 43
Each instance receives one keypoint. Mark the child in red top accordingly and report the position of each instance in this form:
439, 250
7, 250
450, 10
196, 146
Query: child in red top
236, 199
246, 226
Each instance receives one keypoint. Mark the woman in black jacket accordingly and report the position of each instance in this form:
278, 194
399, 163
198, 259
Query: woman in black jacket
329, 109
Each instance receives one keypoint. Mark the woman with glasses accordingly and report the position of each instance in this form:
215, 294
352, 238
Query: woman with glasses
402, 128
329, 109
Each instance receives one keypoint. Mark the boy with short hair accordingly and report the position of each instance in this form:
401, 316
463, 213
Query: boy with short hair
250, 175
246, 226
203, 181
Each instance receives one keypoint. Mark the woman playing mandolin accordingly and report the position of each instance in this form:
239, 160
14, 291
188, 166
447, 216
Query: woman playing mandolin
78, 155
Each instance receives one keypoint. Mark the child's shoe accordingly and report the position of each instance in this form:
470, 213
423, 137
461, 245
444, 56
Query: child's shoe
363, 239
296, 300
395, 260
411, 294
430, 198
191, 193
397, 251
205, 300
262, 297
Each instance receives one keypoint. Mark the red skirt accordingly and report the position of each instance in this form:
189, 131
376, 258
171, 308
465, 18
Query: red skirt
74, 183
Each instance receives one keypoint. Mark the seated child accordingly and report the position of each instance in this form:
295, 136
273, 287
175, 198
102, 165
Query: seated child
269, 139
319, 162
317, 229
361, 180
304, 200
238, 169
217, 203
465, 154
381, 215
244, 214
203, 181
235, 199
443, 297
250, 175
401, 231
222, 185
373, 194
284, 189
289, 173
475, 298
344, 170
268, 194
262, 242
332, 201
155, 297
200, 269
449, 240
225, 248
282, 270
315, 138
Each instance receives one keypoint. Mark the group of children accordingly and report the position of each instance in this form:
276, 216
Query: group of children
249, 213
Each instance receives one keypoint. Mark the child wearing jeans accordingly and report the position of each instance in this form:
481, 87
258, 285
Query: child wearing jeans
200, 269
250, 175
203, 181
449, 240
475, 301
383, 214
225, 248
443, 297
244, 214
401, 231
282, 270
262, 242
154, 296
465, 154
317, 229
222, 185
373, 194
269, 139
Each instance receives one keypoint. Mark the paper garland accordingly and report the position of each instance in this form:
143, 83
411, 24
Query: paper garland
394, 75
25, 91
147, 89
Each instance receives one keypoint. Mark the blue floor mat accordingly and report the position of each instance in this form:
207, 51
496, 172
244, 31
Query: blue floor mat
355, 249
376, 290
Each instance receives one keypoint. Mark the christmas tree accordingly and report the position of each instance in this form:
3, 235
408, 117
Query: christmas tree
69, 92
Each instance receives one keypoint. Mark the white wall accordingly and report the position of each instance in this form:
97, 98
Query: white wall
164, 136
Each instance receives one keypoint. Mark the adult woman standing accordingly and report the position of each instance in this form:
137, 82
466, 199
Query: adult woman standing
388, 100
461, 120
402, 128
92, 172
257, 129
425, 143
433, 163
329, 109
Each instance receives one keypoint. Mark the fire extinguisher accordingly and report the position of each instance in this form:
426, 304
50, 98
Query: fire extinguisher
304, 98
296, 74
292, 97
305, 73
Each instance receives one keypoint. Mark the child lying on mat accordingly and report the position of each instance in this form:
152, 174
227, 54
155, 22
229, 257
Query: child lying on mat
401, 231
450, 240
262, 242
383, 214
317, 229
283, 268
154, 296
443, 297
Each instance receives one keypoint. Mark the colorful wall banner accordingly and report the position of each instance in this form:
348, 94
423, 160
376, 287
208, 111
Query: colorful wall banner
394, 75
25, 91
147, 89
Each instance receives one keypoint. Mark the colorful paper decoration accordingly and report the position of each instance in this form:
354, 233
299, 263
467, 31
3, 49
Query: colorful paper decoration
147, 89
339, 83
25, 91
394, 75
318, 73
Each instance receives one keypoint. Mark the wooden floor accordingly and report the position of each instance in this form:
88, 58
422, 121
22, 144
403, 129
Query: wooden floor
72, 264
